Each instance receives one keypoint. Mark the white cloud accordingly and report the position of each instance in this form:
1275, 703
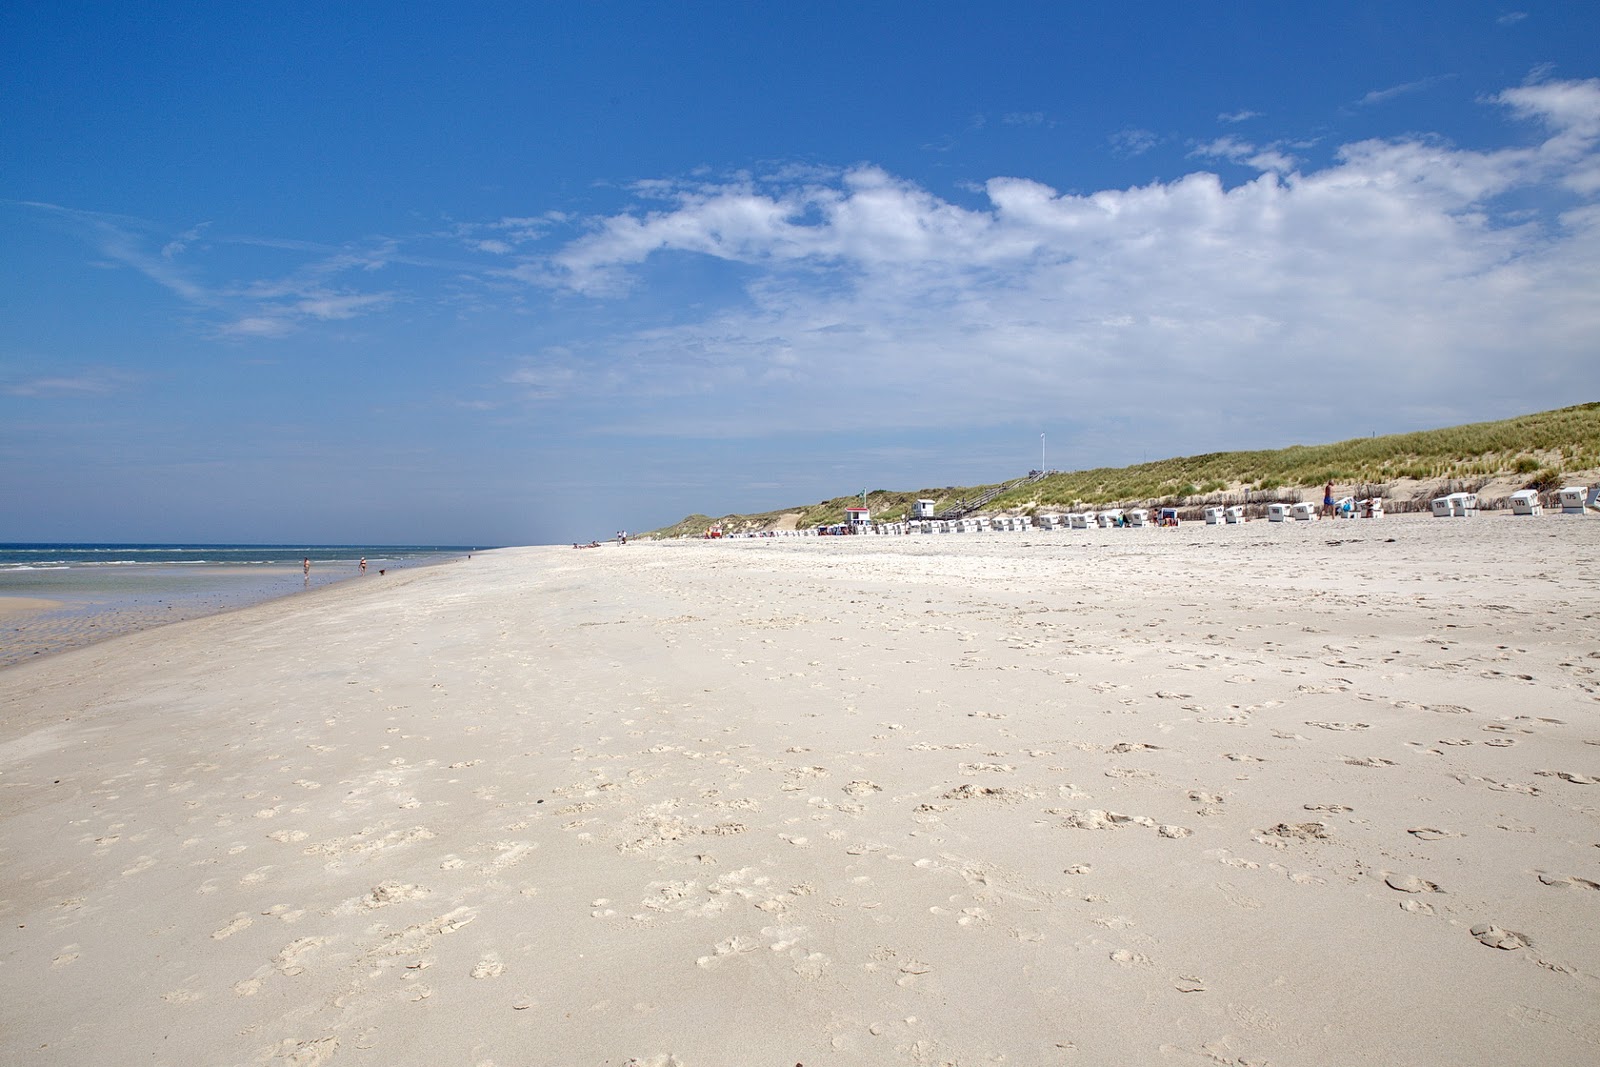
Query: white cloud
1386, 277
1234, 150
1238, 116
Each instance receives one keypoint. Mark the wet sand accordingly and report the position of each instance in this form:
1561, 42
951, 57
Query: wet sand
1318, 794
93, 604
24, 605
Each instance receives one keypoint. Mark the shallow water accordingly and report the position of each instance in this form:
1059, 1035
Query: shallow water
94, 592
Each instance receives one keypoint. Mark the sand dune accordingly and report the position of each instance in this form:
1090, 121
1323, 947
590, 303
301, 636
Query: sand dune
1316, 794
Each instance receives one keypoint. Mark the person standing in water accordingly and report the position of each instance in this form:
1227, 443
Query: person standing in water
363, 564
306, 565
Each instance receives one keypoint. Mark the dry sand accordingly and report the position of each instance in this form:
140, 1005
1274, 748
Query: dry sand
1315, 794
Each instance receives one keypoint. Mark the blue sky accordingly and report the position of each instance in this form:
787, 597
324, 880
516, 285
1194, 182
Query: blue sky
528, 273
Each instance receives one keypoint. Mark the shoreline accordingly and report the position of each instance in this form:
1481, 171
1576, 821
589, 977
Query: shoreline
111, 602
854, 801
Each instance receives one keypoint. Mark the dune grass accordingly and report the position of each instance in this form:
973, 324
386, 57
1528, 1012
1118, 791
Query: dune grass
1536, 448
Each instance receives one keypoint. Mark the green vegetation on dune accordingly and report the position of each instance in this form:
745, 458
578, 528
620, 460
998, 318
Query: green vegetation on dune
1536, 449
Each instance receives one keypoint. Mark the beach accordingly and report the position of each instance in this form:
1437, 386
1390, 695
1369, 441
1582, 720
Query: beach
1307, 793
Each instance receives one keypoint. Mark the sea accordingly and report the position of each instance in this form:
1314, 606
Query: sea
75, 594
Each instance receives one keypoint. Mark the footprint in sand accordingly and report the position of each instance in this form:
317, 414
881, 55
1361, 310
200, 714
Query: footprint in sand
1297, 831
1496, 937
239, 923
1568, 881
489, 967
1428, 833
811, 966
1339, 725
1570, 776
728, 946
289, 957
312, 1053
1409, 883
911, 970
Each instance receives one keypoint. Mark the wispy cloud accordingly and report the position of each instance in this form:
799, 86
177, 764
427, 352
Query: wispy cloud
1382, 96
1133, 142
93, 382
260, 307
1238, 116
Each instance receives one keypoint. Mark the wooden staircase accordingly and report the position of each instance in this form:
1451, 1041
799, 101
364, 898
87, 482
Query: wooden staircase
962, 508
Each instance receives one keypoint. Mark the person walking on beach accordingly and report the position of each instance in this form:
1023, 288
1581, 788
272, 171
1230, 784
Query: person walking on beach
306, 566
1327, 500
363, 564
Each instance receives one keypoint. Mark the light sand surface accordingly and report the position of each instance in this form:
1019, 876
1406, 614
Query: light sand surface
1316, 794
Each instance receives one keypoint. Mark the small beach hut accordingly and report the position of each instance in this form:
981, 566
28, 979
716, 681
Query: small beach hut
1463, 505
1441, 507
1233, 515
1526, 502
1303, 512
922, 509
1278, 512
1214, 516
1572, 499
1138, 517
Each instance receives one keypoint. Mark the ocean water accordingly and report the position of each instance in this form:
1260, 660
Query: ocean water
62, 556
95, 591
